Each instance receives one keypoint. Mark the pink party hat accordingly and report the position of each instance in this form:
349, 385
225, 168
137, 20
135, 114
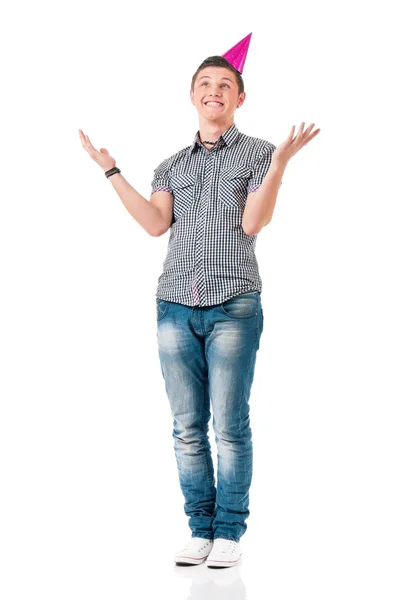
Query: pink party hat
236, 55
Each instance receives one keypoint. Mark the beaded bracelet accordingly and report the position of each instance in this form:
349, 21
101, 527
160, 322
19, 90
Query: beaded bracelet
112, 172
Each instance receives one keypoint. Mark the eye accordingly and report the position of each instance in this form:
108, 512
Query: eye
206, 83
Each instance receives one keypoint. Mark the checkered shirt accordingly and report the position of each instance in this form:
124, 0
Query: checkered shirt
209, 257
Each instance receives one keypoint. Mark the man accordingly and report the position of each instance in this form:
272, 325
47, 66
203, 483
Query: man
214, 196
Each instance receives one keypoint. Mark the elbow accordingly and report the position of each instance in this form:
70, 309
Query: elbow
255, 230
267, 222
248, 230
159, 232
252, 232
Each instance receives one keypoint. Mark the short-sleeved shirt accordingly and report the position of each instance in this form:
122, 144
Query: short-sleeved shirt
209, 257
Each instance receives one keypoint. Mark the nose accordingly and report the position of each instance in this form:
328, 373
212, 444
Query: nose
214, 92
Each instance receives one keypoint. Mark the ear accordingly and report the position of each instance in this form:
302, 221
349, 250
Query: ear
192, 97
241, 98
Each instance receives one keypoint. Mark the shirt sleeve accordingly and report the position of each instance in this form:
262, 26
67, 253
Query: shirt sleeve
161, 180
260, 169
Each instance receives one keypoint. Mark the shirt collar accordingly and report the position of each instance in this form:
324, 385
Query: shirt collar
229, 137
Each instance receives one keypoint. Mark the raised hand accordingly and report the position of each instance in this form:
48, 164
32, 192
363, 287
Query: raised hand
103, 158
284, 152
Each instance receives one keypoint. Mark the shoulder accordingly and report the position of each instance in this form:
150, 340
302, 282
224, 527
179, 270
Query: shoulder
258, 146
173, 160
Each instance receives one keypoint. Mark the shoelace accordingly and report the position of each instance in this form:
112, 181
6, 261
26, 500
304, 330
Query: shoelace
202, 547
205, 546
227, 545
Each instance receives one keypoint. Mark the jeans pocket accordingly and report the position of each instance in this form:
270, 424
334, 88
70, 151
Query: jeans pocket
243, 306
161, 308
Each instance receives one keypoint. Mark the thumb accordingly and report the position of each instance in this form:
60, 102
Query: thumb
104, 151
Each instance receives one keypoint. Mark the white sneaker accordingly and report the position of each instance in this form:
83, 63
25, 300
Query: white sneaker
225, 553
195, 552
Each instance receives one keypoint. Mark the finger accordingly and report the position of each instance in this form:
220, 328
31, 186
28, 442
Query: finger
313, 134
90, 147
82, 137
84, 140
305, 137
307, 131
299, 132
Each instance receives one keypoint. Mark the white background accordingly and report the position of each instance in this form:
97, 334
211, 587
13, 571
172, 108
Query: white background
90, 499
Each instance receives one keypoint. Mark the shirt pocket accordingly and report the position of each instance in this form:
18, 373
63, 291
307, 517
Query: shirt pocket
233, 186
183, 188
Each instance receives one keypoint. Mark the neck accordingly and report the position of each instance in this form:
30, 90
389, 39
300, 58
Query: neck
211, 131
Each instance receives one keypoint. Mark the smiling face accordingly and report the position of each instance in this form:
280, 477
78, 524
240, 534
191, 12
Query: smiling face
216, 94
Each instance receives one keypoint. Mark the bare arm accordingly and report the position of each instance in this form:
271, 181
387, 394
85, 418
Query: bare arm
260, 204
148, 215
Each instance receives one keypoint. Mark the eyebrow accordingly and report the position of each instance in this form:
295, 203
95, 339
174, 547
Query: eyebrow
203, 76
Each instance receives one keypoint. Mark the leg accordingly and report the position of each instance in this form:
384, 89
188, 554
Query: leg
184, 369
231, 348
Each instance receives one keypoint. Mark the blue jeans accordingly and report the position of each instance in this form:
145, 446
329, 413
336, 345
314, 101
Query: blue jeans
209, 353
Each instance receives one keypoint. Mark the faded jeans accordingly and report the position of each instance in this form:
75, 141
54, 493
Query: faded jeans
209, 354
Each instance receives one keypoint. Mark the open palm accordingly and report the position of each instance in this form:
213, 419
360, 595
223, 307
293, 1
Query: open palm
103, 158
284, 152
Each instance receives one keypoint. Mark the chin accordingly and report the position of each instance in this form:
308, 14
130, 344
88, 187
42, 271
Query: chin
209, 115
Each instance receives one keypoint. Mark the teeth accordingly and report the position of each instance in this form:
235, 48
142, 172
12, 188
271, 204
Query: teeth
213, 103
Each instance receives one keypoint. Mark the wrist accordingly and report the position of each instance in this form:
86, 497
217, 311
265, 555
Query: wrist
278, 165
111, 171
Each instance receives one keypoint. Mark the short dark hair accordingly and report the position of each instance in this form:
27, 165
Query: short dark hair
219, 61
